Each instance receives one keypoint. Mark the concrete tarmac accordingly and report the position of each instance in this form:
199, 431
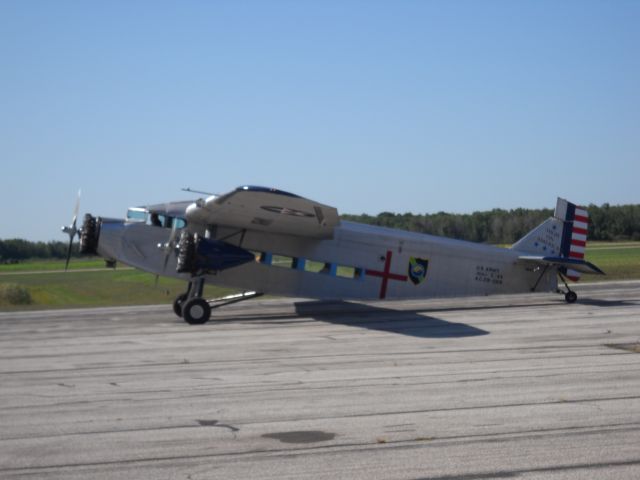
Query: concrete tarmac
521, 386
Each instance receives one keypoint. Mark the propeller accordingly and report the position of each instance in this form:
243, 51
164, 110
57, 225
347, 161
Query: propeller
170, 244
72, 230
168, 247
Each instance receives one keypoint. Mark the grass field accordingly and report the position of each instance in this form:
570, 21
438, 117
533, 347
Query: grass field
619, 260
51, 288
50, 265
90, 284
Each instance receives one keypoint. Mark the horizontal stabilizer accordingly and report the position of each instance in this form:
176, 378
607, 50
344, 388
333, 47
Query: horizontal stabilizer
579, 265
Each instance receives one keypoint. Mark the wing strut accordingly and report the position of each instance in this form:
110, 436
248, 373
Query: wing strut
544, 270
229, 299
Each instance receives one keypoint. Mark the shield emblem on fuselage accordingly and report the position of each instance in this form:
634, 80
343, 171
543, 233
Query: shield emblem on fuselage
418, 269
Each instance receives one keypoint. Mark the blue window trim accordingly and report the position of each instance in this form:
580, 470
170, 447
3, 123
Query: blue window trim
299, 264
266, 258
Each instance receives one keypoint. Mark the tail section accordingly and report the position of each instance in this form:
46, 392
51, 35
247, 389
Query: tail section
561, 241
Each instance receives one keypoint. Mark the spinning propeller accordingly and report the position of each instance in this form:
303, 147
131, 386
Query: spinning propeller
72, 230
168, 247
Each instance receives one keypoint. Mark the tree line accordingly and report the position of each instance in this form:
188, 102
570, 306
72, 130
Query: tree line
607, 222
17, 249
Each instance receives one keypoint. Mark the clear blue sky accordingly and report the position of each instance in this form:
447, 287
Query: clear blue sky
369, 106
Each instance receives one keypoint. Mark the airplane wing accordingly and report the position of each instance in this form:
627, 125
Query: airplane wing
268, 210
578, 265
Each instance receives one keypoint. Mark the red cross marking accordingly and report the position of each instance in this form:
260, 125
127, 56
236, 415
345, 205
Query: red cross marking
386, 275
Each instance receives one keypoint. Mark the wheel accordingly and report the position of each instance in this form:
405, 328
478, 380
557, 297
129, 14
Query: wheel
196, 311
570, 296
177, 304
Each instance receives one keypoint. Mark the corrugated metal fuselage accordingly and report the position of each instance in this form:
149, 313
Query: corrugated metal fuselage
362, 262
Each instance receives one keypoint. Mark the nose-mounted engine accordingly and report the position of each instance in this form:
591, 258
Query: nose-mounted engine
89, 234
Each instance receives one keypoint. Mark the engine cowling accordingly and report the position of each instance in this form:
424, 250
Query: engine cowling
197, 255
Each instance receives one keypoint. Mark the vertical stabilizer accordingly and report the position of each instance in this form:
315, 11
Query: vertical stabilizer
544, 240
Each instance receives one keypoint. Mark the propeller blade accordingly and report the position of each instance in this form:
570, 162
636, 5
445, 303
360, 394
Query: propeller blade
72, 230
66, 265
170, 244
174, 233
77, 208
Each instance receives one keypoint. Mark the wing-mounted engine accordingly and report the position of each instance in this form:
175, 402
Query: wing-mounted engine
199, 255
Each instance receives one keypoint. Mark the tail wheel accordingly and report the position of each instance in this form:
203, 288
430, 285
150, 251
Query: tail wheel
186, 253
570, 296
196, 311
89, 235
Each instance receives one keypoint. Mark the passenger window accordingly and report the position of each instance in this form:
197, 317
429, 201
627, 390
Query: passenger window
348, 272
313, 266
282, 261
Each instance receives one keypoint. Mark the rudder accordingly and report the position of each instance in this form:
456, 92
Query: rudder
574, 235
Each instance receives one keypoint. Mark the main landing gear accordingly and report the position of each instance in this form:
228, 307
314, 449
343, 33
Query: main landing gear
191, 306
195, 310
570, 296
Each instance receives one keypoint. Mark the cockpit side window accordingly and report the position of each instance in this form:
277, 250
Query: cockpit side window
155, 219
160, 220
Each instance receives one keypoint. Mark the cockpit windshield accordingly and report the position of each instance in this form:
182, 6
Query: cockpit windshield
137, 214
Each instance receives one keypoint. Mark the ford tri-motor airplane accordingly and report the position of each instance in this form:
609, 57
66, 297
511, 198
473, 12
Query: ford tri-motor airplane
263, 240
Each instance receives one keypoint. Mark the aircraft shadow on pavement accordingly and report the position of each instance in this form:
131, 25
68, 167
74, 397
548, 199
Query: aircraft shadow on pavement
408, 323
594, 302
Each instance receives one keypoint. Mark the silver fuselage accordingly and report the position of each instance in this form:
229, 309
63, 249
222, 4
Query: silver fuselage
377, 262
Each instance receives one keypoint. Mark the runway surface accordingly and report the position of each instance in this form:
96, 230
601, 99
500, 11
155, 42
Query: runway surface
520, 386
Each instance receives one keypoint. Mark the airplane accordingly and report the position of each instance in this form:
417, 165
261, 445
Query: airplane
267, 241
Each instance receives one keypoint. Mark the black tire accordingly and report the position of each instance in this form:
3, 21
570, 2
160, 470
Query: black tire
570, 296
177, 304
196, 311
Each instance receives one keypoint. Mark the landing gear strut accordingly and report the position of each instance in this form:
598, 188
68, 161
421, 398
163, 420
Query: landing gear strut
196, 310
570, 296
